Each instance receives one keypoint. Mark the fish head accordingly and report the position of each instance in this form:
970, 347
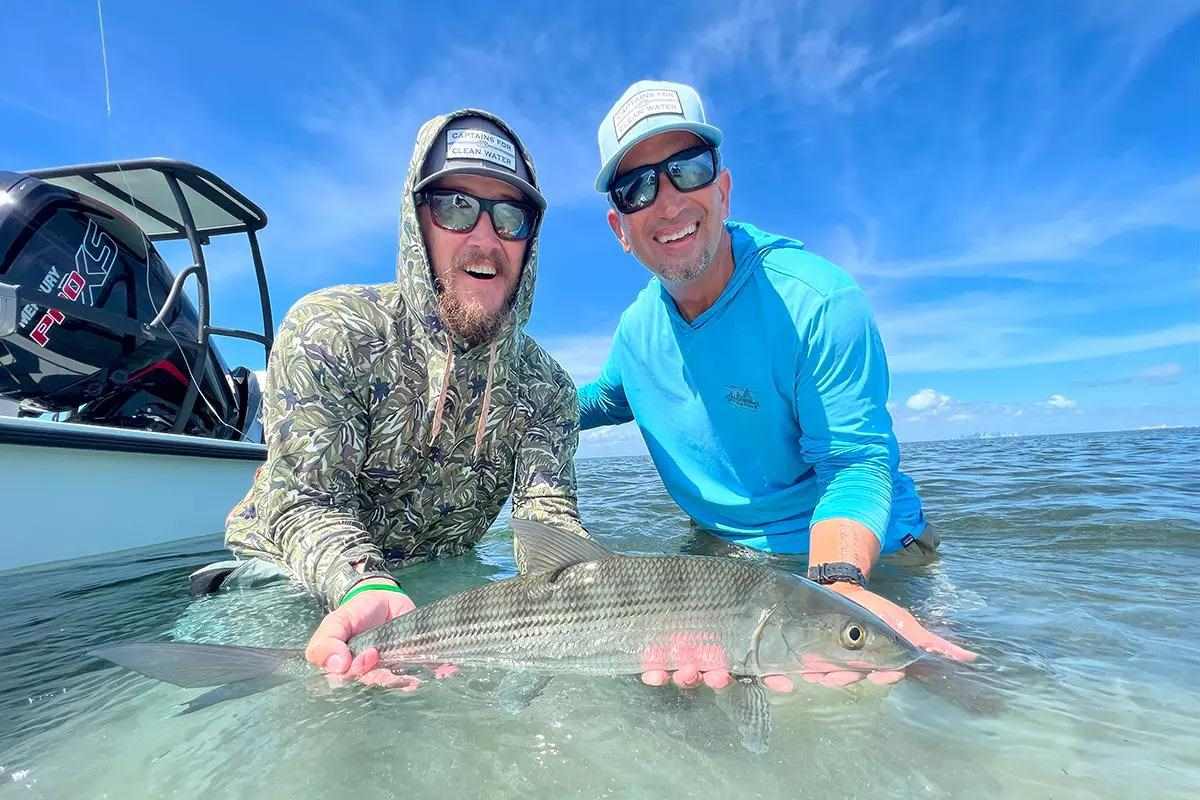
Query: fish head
811, 629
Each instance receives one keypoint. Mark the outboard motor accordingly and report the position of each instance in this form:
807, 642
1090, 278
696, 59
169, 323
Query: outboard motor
80, 290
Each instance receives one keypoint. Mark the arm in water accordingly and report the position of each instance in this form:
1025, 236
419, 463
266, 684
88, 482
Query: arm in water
848, 541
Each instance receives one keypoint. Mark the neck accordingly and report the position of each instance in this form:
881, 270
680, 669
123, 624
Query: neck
695, 297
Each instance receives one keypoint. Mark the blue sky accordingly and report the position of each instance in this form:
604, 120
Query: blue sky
1017, 188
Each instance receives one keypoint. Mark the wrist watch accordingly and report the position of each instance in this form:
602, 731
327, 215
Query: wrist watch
837, 572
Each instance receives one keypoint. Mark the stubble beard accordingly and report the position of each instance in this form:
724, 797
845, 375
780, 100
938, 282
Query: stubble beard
690, 270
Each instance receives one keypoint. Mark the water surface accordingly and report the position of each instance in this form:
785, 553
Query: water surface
1070, 563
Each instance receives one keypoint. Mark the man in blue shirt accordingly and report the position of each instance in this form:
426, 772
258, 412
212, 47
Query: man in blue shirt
753, 369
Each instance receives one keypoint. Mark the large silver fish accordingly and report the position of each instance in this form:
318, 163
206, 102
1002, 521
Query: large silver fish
582, 609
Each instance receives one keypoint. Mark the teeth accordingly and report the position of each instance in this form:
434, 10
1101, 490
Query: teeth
674, 237
482, 270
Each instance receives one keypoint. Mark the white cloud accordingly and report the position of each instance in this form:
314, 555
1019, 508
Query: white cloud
1060, 401
1052, 226
581, 356
928, 401
1161, 373
962, 416
612, 440
991, 330
927, 31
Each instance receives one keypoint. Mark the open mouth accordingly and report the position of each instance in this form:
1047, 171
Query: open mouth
677, 236
482, 272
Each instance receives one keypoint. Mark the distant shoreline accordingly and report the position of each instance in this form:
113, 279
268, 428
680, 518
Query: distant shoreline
981, 437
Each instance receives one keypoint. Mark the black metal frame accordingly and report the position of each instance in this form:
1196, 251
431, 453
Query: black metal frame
251, 220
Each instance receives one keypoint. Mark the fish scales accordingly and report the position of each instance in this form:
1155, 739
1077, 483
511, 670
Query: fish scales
595, 617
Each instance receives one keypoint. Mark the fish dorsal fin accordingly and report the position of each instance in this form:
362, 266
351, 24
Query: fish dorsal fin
541, 548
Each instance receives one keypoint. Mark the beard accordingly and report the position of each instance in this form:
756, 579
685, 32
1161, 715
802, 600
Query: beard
466, 317
688, 270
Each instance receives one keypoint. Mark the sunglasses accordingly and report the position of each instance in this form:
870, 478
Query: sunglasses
455, 210
688, 170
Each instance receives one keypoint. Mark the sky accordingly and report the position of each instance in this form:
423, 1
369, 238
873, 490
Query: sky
1015, 186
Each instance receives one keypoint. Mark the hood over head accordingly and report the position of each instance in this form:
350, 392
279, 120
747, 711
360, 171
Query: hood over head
452, 138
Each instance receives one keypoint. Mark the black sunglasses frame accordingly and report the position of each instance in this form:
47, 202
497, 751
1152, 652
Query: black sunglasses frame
485, 206
663, 168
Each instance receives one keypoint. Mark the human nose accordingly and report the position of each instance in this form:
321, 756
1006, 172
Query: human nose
670, 200
484, 231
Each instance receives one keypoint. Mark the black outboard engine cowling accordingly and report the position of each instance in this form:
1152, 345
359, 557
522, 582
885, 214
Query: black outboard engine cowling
108, 366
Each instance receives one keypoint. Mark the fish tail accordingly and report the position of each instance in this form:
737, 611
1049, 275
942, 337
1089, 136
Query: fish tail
237, 671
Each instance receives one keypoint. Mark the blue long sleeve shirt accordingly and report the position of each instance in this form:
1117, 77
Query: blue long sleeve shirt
766, 413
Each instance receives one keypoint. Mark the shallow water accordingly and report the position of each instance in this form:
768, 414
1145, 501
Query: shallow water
1070, 563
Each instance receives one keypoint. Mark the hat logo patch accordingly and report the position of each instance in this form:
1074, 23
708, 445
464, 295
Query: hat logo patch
477, 144
646, 103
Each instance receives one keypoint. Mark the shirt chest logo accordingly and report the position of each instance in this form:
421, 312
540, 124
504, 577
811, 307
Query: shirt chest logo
741, 397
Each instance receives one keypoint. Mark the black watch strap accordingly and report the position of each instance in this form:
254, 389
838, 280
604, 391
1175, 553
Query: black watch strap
837, 572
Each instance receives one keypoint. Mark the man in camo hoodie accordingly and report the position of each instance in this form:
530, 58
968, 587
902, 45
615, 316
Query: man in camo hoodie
400, 417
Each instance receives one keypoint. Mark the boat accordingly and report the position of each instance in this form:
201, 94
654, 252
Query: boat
123, 425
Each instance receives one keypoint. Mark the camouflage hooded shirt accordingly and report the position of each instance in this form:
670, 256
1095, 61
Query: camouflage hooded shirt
389, 439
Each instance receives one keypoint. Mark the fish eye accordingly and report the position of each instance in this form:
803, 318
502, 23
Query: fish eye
854, 636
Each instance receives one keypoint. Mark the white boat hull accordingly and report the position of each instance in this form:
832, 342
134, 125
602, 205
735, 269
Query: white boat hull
71, 491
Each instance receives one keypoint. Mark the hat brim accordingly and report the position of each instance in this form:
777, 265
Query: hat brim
527, 188
708, 133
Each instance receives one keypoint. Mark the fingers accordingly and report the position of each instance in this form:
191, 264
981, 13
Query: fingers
687, 677
779, 683
656, 677
443, 671
936, 644
885, 677
717, 679
390, 680
328, 648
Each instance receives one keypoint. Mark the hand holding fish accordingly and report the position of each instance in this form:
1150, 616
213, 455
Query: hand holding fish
702, 665
903, 622
328, 648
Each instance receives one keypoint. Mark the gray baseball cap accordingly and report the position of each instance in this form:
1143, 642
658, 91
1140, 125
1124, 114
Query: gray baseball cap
648, 108
477, 146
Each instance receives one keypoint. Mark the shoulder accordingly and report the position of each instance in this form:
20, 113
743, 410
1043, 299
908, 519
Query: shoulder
646, 310
542, 376
343, 313
788, 264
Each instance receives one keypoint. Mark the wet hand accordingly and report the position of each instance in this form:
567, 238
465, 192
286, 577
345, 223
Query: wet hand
329, 649
696, 664
901, 621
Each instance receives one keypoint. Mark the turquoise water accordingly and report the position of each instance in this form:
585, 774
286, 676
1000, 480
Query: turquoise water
1069, 562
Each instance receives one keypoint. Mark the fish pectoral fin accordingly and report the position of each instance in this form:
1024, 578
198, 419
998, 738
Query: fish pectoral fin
541, 548
518, 689
748, 706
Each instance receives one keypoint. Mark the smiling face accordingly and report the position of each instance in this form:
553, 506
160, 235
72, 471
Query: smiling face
677, 237
476, 273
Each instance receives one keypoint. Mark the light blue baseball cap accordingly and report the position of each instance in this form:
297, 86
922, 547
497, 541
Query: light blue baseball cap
645, 109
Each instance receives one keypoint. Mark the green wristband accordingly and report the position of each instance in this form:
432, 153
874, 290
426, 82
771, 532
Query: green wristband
370, 587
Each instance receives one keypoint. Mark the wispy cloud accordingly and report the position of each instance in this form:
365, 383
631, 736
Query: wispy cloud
1162, 373
925, 31
581, 356
1041, 235
1159, 374
992, 330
